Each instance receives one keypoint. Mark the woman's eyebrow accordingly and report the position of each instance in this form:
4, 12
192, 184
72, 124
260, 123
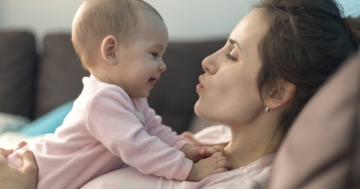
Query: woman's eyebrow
234, 42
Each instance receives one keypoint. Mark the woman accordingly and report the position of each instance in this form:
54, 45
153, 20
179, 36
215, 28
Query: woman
273, 62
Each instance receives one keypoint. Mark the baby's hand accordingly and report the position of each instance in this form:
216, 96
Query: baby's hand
196, 153
210, 150
217, 163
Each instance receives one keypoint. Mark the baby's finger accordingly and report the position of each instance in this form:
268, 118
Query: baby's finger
217, 154
201, 151
228, 165
225, 164
220, 149
20, 145
29, 162
221, 158
210, 151
221, 169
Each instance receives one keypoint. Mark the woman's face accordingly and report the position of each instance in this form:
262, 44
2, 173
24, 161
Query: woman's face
228, 90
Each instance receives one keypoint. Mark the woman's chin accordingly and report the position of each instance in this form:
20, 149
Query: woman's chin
201, 112
197, 108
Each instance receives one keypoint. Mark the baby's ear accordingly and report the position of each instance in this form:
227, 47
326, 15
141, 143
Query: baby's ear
109, 49
282, 93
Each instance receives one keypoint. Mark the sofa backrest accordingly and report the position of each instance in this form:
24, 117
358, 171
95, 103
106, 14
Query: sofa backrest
60, 74
18, 63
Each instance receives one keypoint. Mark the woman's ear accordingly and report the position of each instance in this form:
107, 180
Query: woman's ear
283, 92
109, 48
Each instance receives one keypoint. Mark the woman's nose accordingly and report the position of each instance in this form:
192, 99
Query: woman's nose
209, 64
162, 66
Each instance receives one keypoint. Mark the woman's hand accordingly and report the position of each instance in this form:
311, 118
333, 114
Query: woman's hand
22, 178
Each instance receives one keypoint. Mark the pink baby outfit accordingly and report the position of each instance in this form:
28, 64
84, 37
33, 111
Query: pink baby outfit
252, 176
105, 131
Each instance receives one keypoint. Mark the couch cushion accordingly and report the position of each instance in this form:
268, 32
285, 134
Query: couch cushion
321, 149
60, 74
47, 123
18, 61
174, 95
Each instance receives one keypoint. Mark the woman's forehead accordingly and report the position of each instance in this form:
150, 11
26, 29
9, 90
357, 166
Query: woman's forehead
251, 28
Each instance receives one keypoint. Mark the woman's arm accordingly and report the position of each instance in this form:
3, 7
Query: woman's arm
22, 178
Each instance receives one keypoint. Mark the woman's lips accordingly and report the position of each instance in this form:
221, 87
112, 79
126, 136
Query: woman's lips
199, 86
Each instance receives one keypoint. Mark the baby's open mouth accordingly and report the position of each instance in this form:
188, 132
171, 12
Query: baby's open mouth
153, 80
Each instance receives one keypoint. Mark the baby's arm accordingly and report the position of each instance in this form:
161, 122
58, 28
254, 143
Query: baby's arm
111, 120
165, 133
156, 128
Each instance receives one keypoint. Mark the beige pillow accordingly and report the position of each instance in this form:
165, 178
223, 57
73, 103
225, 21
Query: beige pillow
321, 149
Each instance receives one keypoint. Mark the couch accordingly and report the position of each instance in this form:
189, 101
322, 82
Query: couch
35, 80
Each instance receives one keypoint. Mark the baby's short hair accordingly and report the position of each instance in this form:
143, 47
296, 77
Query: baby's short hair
97, 19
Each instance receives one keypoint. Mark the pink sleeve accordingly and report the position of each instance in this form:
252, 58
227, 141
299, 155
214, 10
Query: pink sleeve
111, 120
156, 128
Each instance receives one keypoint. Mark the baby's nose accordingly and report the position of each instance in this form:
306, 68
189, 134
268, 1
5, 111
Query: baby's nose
162, 66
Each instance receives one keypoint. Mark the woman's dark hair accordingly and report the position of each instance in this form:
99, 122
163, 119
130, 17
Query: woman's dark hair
306, 42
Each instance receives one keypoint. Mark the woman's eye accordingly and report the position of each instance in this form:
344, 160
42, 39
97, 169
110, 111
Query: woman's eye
228, 56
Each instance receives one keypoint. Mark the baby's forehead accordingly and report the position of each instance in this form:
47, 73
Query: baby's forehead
123, 19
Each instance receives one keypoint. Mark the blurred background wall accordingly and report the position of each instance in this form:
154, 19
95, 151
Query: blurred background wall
187, 20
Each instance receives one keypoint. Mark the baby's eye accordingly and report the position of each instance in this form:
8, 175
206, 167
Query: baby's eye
230, 57
155, 55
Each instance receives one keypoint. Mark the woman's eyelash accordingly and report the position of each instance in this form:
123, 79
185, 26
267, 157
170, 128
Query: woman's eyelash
231, 57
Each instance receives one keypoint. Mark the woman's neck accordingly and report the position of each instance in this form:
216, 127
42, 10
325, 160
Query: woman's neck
251, 142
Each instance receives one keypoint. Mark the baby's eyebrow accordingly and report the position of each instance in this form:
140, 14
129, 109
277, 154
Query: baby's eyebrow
159, 46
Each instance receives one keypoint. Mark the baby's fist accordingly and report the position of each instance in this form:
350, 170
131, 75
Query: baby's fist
210, 150
217, 163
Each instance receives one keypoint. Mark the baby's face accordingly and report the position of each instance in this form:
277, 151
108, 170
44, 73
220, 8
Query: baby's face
140, 62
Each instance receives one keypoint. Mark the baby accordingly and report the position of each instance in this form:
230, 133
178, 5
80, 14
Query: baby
121, 44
